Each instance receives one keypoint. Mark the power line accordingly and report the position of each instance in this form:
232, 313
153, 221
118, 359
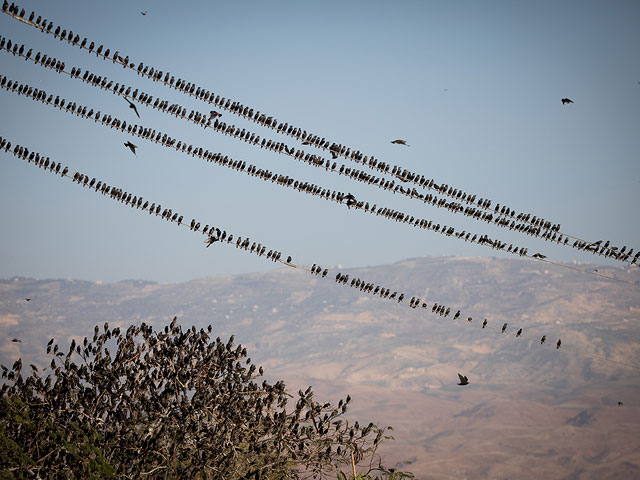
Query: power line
549, 231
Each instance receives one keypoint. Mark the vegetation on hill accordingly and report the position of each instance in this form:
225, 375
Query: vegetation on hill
172, 404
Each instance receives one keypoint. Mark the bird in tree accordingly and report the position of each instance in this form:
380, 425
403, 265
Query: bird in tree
400, 142
566, 101
131, 146
463, 380
132, 106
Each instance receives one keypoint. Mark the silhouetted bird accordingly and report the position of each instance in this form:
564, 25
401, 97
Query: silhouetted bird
211, 240
289, 259
504, 327
27, 299
213, 114
543, 339
620, 404
519, 333
16, 340
131, 146
566, 100
484, 324
538, 255
143, 13
132, 105
463, 380
400, 142
559, 343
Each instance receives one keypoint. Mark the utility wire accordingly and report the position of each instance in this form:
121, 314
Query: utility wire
550, 230
120, 195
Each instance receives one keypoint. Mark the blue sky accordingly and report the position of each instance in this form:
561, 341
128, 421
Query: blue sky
474, 87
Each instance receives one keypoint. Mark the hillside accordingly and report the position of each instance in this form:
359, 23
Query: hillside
531, 411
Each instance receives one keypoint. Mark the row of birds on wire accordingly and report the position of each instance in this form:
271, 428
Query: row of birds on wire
548, 231
216, 234
283, 180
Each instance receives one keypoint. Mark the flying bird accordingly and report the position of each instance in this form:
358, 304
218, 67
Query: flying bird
400, 142
620, 404
144, 14
559, 343
131, 146
519, 333
211, 240
133, 106
538, 255
213, 114
566, 100
504, 327
484, 324
463, 380
543, 339
16, 340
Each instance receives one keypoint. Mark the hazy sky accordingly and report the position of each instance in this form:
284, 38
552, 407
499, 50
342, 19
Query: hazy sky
474, 87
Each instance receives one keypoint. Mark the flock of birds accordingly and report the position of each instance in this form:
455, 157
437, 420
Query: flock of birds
306, 138
477, 208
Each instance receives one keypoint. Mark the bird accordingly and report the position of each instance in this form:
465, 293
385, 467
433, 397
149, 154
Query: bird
289, 259
519, 333
213, 114
559, 343
484, 324
566, 100
463, 380
27, 299
400, 142
543, 339
144, 14
538, 255
211, 240
131, 146
133, 106
620, 404
16, 340
504, 327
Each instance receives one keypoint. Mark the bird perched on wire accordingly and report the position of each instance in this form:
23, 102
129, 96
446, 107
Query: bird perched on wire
211, 240
132, 106
131, 146
463, 380
566, 100
400, 142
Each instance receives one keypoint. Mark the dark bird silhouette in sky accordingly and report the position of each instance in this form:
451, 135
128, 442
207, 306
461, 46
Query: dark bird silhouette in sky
289, 259
543, 339
538, 255
144, 14
620, 404
559, 343
132, 105
504, 327
400, 142
16, 340
463, 380
519, 333
484, 324
131, 146
213, 114
566, 100
27, 299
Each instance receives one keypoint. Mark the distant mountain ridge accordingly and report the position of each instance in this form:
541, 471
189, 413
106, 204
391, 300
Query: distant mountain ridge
309, 330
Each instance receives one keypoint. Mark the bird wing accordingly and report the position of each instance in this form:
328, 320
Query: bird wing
462, 378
